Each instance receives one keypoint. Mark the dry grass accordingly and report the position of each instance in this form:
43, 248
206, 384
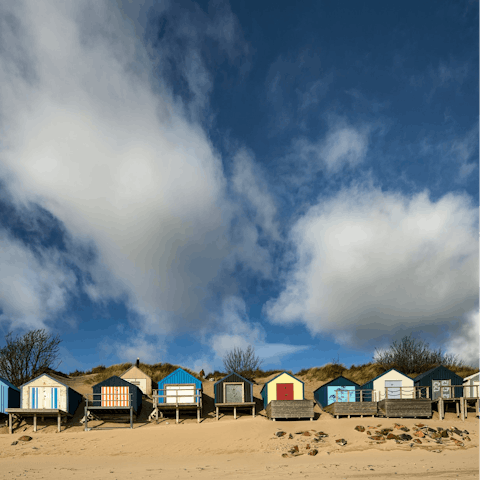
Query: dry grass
157, 372
361, 374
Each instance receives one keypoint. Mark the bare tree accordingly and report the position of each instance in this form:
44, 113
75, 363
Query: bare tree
414, 356
24, 357
243, 362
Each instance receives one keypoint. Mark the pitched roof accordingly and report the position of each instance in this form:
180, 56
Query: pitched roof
384, 373
283, 373
46, 375
336, 378
233, 373
134, 366
4, 380
471, 376
428, 372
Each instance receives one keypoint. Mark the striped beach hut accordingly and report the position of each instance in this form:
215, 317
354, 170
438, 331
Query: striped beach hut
115, 393
440, 381
46, 396
9, 395
283, 397
113, 397
233, 391
339, 389
178, 391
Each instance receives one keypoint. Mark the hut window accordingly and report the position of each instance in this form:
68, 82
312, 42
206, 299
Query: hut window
233, 392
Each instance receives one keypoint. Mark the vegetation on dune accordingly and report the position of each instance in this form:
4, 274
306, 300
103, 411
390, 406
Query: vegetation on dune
157, 371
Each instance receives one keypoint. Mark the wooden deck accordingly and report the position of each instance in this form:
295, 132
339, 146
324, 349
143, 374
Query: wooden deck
159, 408
348, 409
235, 406
290, 409
405, 407
35, 413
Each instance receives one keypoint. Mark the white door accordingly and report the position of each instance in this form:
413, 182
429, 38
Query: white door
180, 393
393, 388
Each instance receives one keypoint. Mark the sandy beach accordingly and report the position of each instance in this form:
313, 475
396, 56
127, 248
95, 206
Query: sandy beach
235, 449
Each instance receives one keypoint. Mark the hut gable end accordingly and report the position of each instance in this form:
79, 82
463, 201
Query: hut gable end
321, 394
139, 378
219, 387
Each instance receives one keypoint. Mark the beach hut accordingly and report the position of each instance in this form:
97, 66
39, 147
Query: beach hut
391, 384
283, 397
45, 396
178, 391
113, 397
395, 395
473, 384
137, 377
342, 396
337, 390
9, 395
234, 391
440, 381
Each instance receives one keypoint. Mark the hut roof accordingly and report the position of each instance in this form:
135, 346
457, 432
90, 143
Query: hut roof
384, 373
6, 382
135, 367
429, 372
283, 373
229, 375
471, 376
46, 375
183, 373
337, 378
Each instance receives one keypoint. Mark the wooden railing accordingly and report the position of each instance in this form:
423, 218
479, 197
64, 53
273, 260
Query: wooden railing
457, 391
355, 395
406, 392
178, 394
100, 398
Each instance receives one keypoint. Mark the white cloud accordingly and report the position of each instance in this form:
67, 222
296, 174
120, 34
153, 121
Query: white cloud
34, 287
368, 261
236, 330
118, 162
343, 145
141, 347
465, 343
247, 181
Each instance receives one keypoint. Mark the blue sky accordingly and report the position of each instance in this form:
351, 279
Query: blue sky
179, 178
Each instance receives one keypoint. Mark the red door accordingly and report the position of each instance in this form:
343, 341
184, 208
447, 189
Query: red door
284, 391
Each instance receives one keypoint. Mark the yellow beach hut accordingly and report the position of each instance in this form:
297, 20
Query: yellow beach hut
283, 397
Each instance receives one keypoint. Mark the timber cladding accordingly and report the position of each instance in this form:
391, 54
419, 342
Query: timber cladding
39, 391
232, 379
352, 408
290, 409
405, 407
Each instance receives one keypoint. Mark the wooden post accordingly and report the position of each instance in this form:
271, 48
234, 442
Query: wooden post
86, 419
34, 422
466, 408
253, 411
361, 395
477, 405
440, 408
273, 419
131, 417
59, 421
462, 409
216, 412
198, 415
457, 408
10, 424
176, 415
234, 413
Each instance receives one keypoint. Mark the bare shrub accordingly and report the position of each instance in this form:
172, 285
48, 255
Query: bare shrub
410, 355
27, 356
243, 362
